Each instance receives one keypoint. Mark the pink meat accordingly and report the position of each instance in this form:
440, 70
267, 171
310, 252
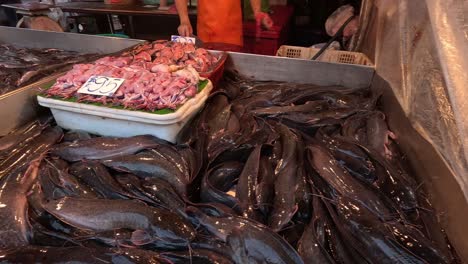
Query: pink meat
189, 48
167, 53
143, 56
162, 60
191, 91
201, 52
148, 84
178, 52
158, 46
160, 68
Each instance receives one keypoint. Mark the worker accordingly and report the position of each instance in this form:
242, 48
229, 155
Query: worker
220, 21
345, 14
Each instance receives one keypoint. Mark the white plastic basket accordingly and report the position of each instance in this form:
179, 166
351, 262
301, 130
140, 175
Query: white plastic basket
105, 121
336, 56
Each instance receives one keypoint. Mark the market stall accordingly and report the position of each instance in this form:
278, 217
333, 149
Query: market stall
286, 161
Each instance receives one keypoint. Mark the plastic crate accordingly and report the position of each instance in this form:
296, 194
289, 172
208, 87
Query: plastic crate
267, 42
336, 56
105, 121
215, 74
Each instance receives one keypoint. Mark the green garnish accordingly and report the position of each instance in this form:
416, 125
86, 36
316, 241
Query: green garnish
201, 85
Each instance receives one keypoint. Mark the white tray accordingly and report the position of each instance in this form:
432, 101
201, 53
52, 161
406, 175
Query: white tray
107, 121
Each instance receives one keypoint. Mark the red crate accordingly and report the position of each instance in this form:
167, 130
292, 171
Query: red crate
216, 73
269, 41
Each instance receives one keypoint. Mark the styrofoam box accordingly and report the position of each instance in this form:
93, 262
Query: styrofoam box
107, 121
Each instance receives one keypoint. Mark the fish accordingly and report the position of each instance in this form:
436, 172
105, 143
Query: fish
329, 169
312, 246
147, 164
247, 184
180, 160
272, 111
103, 147
162, 192
76, 135
14, 226
378, 134
303, 192
56, 182
217, 182
21, 136
30, 151
215, 209
354, 127
383, 242
265, 189
284, 203
397, 186
197, 256
76, 254
133, 186
352, 158
98, 179
260, 242
103, 215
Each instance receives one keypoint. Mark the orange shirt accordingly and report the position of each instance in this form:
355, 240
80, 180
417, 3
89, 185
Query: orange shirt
220, 21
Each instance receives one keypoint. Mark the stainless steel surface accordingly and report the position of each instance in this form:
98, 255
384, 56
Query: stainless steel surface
419, 49
17, 107
20, 106
267, 68
66, 41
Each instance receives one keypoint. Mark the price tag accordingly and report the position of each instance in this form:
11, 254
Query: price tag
175, 38
101, 85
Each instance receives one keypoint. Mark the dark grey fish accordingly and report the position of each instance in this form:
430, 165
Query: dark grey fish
247, 184
84, 255
14, 224
147, 164
30, 151
260, 242
284, 203
217, 182
99, 215
98, 179
103, 147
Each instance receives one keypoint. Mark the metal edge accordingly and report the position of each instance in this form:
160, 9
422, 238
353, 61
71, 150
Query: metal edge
123, 114
271, 68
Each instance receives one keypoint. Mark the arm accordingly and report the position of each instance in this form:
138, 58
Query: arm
185, 28
256, 6
261, 18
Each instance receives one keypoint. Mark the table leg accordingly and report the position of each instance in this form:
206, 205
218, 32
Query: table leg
130, 24
111, 23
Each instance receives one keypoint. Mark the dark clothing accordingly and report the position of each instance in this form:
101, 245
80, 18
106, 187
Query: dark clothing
8, 15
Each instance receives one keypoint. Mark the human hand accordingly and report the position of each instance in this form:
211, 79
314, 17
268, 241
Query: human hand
263, 19
185, 29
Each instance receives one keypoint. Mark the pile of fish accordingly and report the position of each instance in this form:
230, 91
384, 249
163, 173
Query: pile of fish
21, 66
175, 53
268, 172
146, 85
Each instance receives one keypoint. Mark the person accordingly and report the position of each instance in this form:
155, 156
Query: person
219, 21
343, 15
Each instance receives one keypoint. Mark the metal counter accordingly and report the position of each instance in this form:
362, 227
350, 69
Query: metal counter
19, 106
270, 68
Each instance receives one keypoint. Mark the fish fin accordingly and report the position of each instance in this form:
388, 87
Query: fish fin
141, 237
